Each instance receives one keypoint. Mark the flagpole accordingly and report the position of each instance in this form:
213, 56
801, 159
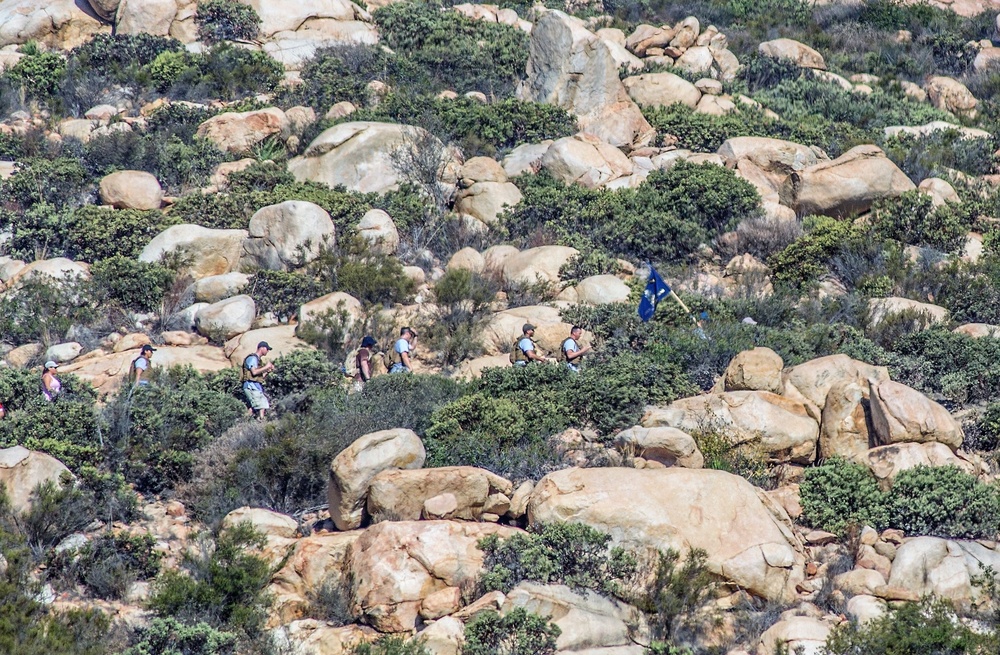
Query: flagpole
686, 309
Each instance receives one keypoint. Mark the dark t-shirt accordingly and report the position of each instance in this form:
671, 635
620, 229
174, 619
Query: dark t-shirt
364, 355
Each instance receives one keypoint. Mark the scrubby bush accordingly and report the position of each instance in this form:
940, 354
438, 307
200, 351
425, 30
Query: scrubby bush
463, 300
477, 128
803, 261
453, 51
945, 502
37, 74
223, 586
518, 632
226, 20
130, 284
664, 219
119, 56
930, 626
839, 493
390, 645
356, 268
937, 153
282, 292
57, 182
154, 431
911, 218
677, 592
573, 554
57, 510
108, 565
168, 635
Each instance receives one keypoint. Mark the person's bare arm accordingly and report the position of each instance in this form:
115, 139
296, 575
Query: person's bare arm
366, 371
533, 355
405, 358
266, 368
572, 355
138, 374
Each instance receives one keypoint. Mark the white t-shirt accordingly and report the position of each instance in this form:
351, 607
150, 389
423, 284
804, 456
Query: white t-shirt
570, 345
141, 364
525, 345
402, 346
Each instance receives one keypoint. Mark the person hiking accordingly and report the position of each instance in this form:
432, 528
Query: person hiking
400, 355
362, 362
51, 386
525, 350
137, 371
571, 349
252, 376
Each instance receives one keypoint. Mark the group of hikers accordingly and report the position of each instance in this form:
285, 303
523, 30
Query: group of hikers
359, 366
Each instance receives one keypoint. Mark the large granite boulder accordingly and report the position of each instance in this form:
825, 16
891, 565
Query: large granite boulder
62, 24
571, 67
847, 185
811, 381
902, 414
668, 446
21, 470
287, 235
403, 495
780, 427
372, 157
790, 50
654, 90
237, 132
749, 540
352, 471
131, 190
226, 318
585, 159
758, 369
942, 568
206, 251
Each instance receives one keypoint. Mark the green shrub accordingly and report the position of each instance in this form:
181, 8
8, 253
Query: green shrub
477, 128
119, 56
911, 218
354, 267
573, 554
130, 284
282, 292
57, 182
837, 494
704, 132
518, 632
937, 153
108, 565
66, 428
941, 352
154, 431
677, 592
930, 626
57, 510
944, 501
665, 219
803, 261
224, 587
301, 370
168, 635
37, 74
463, 299
342, 73
453, 51
226, 20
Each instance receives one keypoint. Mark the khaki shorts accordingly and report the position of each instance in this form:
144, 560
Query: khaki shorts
257, 398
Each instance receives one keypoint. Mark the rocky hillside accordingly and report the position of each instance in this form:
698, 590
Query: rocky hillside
798, 453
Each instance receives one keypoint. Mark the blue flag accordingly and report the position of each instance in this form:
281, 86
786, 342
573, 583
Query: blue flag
656, 290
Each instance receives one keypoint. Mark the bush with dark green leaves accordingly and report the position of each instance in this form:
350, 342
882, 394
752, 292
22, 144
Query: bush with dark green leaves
119, 56
803, 261
912, 219
518, 632
130, 284
944, 501
282, 292
941, 352
37, 74
58, 182
572, 554
454, 51
155, 431
224, 586
677, 592
663, 220
838, 494
462, 300
226, 20
355, 267
66, 428
109, 564
477, 128
390, 645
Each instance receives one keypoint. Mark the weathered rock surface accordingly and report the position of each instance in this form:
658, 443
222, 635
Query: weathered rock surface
534, 264
281, 338
573, 68
811, 381
803, 634
758, 369
951, 95
219, 287
601, 290
781, 427
56, 23
586, 619
314, 310
844, 429
369, 157
396, 565
352, 471
108, 372
749, 540
661, 90
21, 470
131, 190
287, 235
925, 313
585, 159
312, 561
401, 494
271, 524
790, 50
944, 568
226, 318
378, 229
902, 414
669, 446
847, 185
886, 462
237, 132
209, 251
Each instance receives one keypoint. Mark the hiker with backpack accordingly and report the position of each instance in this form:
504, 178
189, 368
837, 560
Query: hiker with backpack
571, 350
252, 375
140, 365
400, 355
358, 365
525, 350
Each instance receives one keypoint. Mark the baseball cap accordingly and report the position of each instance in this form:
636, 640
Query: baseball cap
526, 327
367, 341
264, 344
147, 348
51, 364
